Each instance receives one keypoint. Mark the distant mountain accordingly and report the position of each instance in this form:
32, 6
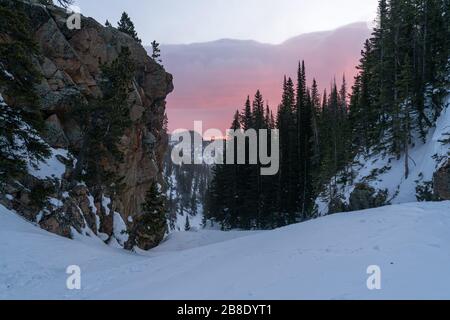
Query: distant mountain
213, 79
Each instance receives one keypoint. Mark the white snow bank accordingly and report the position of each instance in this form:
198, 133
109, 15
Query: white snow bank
324, 258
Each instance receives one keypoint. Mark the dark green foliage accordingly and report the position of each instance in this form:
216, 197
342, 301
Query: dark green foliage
156, 52
187, 225
151, 225
153, 218
239, 196
125, 25
403, 66
446, 140
40, 193
20, 120
425, 191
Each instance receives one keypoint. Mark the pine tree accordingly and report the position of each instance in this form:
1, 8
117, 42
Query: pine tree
20, 119
246, 116
288, 178
316, 109
125, 25
187, 225
305, 143
406, 110
152, 218
156, 52
108, 24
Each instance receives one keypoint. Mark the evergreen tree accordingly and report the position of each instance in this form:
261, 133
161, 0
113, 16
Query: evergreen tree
152, 219
187, 225
305, 143
125, 25
288, 177
156, 52
246, 116
20, 119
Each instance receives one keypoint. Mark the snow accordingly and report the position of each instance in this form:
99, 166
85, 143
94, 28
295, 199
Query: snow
326, 258
425, 160
9, 75
105, 203
55, 202
92, 204
120, 229
50, 168
180, 241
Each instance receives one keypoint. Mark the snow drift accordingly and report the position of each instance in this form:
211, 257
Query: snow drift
326, 258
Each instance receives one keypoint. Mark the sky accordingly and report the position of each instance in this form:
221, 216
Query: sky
190, 21
211, 85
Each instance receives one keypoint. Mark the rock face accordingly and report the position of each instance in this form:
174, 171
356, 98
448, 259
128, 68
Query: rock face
70, 64
441, 182
365, 197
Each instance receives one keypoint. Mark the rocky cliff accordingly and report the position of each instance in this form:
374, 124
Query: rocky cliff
70, 62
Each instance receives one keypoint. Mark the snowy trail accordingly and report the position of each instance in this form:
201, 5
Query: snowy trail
325, 258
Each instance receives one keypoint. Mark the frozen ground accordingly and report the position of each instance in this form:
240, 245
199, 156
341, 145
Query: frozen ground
325, 258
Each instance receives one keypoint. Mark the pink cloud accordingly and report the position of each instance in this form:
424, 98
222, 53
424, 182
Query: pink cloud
213, 79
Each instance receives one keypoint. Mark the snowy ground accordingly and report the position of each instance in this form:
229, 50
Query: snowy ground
325, 258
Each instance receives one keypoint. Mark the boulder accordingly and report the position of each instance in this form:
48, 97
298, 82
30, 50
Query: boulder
365, 197
441, 182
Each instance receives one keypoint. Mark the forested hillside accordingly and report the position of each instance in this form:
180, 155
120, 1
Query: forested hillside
397, 97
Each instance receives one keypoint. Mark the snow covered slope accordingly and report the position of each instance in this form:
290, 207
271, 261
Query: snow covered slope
386, 172
324, 258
